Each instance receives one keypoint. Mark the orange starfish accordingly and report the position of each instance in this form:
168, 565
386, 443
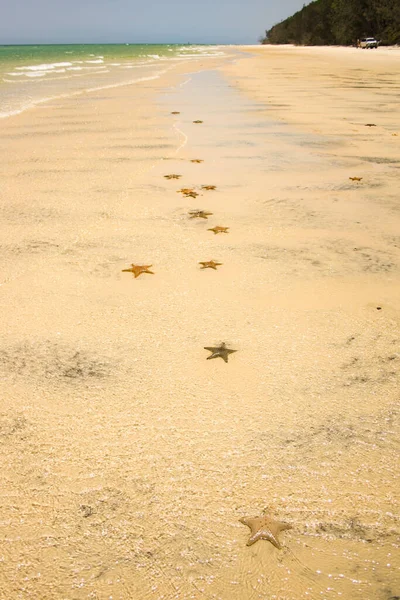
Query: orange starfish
197, 121
138, 270
355, 178
188, 192
196, 160
264, 528
173, 176
208, 187
210, 264
219, 229
199, 214
370, 125
185, 191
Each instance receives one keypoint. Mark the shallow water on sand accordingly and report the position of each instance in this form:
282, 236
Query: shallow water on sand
130, 457
32, 75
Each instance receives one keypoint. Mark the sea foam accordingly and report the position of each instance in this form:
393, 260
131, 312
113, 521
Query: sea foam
44, 67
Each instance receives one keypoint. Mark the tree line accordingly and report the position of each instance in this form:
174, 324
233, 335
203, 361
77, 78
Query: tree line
328, 22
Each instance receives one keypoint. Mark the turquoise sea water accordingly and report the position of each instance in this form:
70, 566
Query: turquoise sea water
30, 75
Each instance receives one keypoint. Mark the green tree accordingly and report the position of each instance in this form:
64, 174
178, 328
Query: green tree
339, 22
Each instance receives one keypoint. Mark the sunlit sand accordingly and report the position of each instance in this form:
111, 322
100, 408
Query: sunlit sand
131, 461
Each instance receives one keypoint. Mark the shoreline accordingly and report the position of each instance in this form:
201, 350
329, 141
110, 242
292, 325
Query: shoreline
65, 74
130, 458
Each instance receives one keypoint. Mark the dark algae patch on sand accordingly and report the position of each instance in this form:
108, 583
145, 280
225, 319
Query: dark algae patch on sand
12, 426
48, 361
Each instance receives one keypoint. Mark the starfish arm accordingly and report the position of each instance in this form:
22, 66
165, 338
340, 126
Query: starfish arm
254, 538
271, 538
214, 352
264, 535
253, 523
245, 521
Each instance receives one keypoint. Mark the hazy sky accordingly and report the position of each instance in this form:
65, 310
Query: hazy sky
102, 21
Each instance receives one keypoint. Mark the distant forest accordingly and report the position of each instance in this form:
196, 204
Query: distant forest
328, 22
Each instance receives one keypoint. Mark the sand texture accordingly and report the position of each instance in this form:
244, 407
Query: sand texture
128, 458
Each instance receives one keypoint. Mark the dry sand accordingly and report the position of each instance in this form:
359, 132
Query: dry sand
128, 458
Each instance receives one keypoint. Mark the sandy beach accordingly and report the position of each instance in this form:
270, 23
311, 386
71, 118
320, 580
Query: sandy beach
128, 458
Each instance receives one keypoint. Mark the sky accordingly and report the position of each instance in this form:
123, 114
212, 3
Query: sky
140, 21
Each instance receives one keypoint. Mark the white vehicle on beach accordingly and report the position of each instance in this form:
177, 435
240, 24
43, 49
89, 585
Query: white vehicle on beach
368, 43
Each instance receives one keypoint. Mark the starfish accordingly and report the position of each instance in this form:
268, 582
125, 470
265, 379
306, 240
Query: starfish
196, 160
370, 125
197, 121
185, 191
355, 178
210, 264
222, 351
264, 528
219, 229
191, 194
199, 214
175, 112
173, 176
138, 270
208, 187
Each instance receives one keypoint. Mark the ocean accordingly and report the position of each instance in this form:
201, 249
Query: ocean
31, 75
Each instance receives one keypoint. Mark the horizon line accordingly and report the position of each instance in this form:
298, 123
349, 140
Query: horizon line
129, 44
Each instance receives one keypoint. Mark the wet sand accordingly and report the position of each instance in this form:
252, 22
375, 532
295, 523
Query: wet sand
129, 458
